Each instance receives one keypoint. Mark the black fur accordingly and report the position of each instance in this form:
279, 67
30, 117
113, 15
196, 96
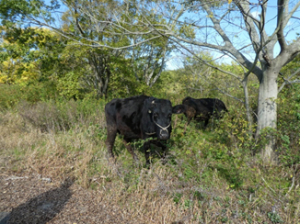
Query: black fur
203, 109
138, 117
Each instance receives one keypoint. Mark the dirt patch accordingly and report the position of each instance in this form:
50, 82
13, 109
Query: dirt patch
32, 199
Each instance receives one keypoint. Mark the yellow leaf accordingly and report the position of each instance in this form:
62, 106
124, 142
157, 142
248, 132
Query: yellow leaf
229, 1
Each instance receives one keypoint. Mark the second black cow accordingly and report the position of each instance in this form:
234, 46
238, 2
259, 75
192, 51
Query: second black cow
202, 109
139, 117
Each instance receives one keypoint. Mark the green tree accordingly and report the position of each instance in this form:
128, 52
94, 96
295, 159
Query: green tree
34, 56
28, 54
102, 29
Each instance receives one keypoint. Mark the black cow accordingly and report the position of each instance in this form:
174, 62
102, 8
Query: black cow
139, 117
202, 109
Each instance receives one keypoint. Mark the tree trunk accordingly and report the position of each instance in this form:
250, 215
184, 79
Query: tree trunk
101, 73
248, 108
267, 112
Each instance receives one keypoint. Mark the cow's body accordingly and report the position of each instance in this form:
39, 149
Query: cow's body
138, 117
203, 109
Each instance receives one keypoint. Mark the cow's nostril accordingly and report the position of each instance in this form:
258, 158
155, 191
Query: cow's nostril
164, 136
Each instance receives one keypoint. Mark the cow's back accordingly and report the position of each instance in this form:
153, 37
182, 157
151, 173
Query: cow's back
213, 104
199, 105
125, 114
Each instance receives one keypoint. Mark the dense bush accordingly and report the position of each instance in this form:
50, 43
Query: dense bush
11, 95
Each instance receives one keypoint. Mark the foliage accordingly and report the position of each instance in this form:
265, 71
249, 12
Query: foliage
12, 95
28, 54
16, 11
288, 131
34, 56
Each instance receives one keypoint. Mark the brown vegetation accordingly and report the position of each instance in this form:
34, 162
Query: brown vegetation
35, 165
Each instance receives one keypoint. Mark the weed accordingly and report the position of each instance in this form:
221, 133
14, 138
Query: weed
275, 217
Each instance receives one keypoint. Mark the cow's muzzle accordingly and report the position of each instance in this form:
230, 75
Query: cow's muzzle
164, 132
164, 135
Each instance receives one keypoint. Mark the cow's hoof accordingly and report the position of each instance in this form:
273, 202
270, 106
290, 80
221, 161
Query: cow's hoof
164, 161
111, 159
136, 161
148, 165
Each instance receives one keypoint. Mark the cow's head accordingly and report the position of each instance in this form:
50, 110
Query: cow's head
188, 110
160, 113
179, 109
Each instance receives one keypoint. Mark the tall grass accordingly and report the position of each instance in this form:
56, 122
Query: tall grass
211, 176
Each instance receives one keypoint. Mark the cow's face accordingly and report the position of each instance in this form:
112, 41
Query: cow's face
160, 112
179, 109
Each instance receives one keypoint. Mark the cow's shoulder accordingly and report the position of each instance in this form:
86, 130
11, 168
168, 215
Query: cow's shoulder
126, 104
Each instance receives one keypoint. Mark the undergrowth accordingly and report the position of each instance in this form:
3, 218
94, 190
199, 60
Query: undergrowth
210, 176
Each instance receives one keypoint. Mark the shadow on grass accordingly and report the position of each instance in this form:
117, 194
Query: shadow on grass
44, 207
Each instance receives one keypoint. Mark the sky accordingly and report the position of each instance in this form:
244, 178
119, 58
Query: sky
240, 38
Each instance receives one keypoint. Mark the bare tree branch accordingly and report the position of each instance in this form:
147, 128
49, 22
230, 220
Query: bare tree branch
282, 10
288, 80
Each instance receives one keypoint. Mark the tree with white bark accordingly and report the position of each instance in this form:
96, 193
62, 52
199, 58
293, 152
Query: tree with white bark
235, 31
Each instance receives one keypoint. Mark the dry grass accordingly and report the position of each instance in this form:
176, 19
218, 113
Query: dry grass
162, 194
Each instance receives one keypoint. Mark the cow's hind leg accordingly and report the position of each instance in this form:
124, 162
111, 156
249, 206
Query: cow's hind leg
111, 136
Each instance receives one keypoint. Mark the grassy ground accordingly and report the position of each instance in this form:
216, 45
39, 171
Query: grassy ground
211, 176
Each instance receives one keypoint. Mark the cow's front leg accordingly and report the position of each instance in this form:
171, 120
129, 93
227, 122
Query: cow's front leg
187, 123
206, 122
164, 149
190, 115
130, 150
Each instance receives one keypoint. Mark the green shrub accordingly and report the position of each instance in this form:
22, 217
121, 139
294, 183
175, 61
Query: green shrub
10, 95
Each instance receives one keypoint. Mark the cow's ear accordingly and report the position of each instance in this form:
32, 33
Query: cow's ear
178, 109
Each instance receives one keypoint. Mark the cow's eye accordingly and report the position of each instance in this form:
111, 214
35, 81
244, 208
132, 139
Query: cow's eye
155, 115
